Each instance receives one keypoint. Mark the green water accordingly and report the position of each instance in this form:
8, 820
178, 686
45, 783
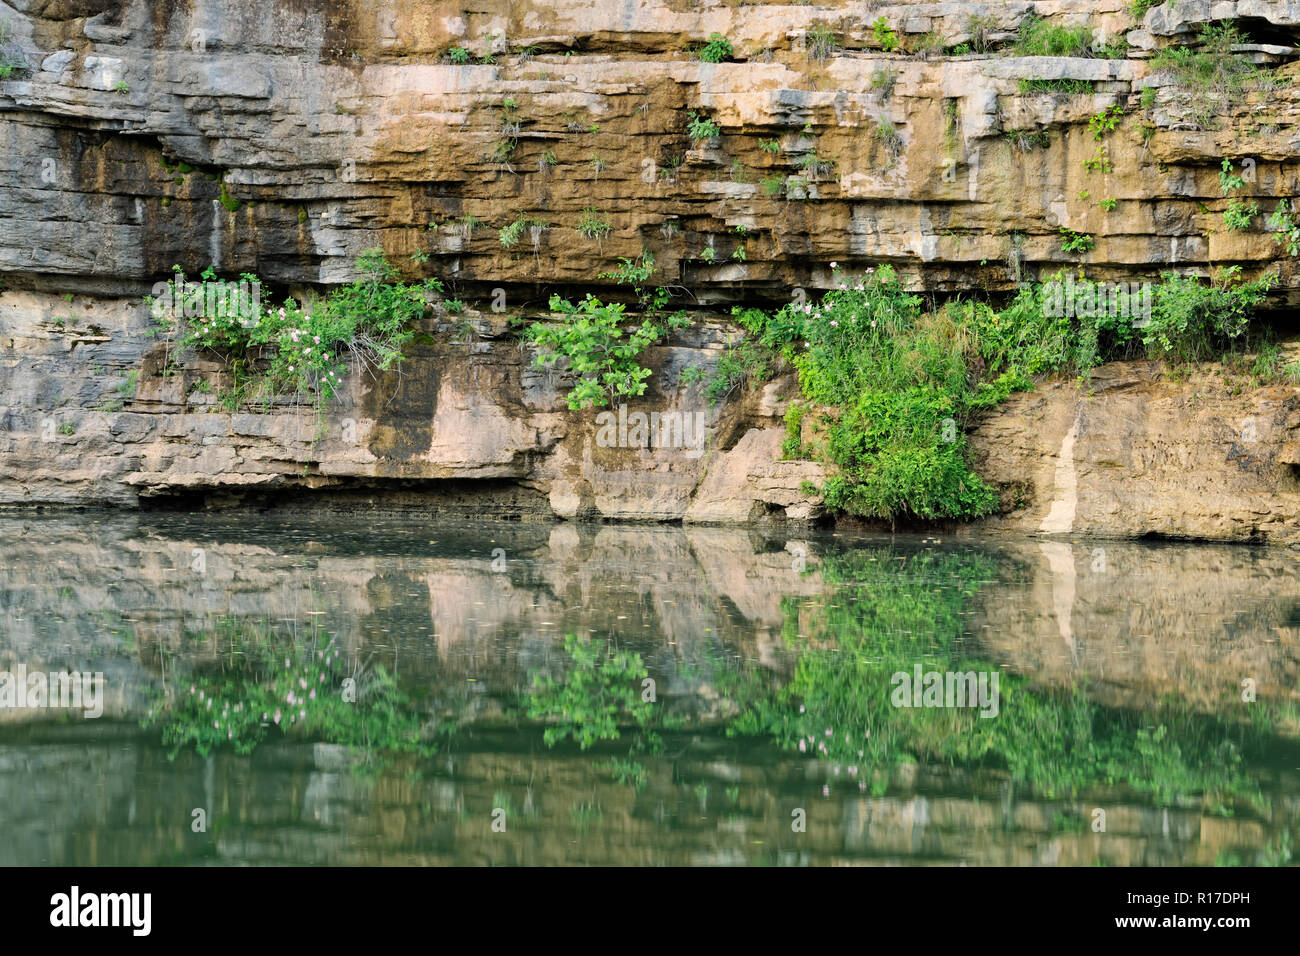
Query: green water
471, 693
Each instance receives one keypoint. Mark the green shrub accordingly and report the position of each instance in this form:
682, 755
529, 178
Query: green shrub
591, 337
884, 36
1193, 321
1240, 214
893, 376
701, 127
600, 691
511, 234
895, 384
1072, 241
1229, 180
1287, 229
1100, 161
716, 50
1104, 122
459, 55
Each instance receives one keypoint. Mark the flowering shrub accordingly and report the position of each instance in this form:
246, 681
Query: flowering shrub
298, 690
292, 350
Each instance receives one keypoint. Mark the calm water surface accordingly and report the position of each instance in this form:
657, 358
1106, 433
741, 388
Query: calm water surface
538, 694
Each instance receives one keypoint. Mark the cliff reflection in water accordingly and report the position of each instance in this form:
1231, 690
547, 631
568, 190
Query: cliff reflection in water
1120, 667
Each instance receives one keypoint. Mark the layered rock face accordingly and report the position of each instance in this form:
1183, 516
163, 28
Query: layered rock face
284, 138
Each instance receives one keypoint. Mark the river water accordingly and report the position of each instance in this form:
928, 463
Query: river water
453, 692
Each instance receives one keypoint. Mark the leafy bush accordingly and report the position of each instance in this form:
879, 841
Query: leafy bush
591, 337
459, 55
1100, 160
1193, 321
600, 691
884, 35
716, 50
1228, 179
701, 127
1072, 241
1288, 231
511, 234
892, 376
1104, 122
893, 385
1240, 214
